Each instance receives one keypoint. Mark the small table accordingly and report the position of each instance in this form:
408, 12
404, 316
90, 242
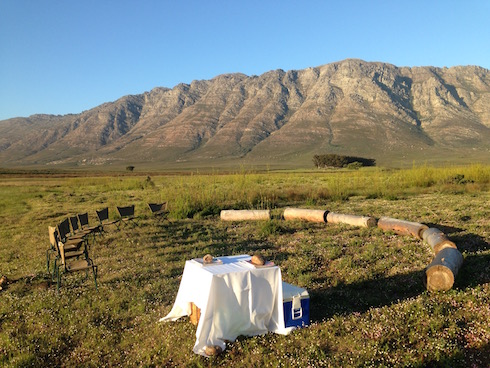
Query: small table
235, 298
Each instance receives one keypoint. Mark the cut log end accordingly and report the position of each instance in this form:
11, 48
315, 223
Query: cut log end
439, 278
441, 272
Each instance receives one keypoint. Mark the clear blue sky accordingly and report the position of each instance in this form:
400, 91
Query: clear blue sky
66, 56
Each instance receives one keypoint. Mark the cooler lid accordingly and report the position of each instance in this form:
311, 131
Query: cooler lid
290, 291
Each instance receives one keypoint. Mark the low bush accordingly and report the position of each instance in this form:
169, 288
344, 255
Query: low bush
338, 161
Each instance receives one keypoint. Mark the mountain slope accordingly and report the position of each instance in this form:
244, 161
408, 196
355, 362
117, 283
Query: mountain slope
350, 107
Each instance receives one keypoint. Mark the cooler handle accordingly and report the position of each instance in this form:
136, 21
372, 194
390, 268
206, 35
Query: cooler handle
296, 313
296, 310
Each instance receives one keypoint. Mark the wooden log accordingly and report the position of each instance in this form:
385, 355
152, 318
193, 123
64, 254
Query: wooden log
437, 239
305, 214
243, 215
362, 221
441, 272
402, 227
195, 314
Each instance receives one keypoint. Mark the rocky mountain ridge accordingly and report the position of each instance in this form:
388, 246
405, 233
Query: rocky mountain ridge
350, 107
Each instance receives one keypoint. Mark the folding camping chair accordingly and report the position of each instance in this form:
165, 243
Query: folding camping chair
65, 233
103, 216
72, 248
126, 216
76, 229
67, 266
158, 210
68, 239
83, 220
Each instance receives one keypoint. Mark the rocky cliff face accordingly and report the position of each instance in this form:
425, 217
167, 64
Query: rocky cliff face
352, 107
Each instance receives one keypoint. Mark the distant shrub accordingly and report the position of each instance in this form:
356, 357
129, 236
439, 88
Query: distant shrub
333, 160
210, 210
457, 179
148, 183
183, 209
356, 165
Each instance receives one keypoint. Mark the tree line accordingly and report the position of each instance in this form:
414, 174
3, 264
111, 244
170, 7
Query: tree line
333, 160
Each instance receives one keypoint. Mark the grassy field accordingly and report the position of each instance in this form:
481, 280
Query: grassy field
369, 306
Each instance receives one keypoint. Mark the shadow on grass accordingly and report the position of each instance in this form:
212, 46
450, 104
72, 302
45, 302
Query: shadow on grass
475, 358
444, 228
27, 284
470, 243
359, 297
464, 242
474, 272
178, 238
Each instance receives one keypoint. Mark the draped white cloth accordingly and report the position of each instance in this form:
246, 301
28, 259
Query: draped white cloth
235, 298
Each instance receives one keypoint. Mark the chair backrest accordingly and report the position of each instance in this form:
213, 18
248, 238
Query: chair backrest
126, 211
155, 207
74, 224
103, 214
83, 218
63, 229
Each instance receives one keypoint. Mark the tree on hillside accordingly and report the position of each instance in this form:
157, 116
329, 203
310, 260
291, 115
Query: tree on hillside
333, 160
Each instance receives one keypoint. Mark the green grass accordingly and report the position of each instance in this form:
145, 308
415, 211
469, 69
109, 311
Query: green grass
368, 303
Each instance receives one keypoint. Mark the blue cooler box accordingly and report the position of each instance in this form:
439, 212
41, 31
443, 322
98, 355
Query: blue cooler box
296, 304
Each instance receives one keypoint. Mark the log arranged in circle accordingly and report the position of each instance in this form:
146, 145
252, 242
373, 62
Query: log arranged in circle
305, 214
402, 227
441, 272
362, 221
244, 215
437, 239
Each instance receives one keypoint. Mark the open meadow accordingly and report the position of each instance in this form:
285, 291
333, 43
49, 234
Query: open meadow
369, 306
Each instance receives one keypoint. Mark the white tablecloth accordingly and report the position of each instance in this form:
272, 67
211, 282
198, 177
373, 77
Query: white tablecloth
235, 298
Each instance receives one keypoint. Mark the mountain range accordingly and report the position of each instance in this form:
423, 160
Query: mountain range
396, 115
